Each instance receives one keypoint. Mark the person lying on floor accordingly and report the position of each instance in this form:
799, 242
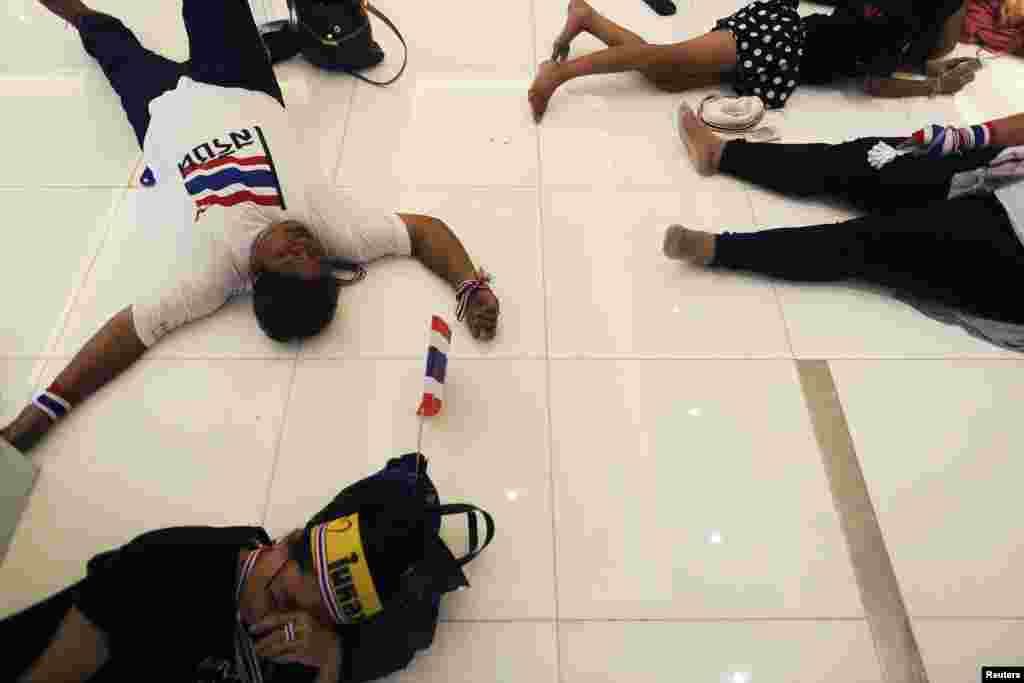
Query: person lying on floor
946, 223
767, 49
219, 133
200, 604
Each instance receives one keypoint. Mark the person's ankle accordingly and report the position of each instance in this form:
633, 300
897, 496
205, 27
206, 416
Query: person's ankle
694, 246
716, 154
707, 254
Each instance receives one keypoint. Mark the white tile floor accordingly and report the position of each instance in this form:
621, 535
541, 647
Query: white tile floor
637, 428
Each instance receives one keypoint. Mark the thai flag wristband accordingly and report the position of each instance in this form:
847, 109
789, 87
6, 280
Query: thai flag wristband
52, 404
466, 290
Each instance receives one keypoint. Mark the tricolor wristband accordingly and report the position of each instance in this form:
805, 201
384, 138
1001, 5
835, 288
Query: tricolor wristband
52, 404
466, 290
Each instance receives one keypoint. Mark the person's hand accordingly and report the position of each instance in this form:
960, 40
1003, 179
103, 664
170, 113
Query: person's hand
953, 74
482, 314
315, 644
952, 83
27, 429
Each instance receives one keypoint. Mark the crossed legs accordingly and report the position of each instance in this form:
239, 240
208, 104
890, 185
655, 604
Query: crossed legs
672, 68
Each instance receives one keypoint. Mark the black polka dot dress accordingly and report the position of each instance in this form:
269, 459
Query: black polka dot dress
770, 38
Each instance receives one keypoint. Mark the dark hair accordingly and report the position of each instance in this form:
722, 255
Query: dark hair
288, 307
298, 550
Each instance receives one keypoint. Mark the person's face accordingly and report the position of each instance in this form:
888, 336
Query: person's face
290, 249
287, 589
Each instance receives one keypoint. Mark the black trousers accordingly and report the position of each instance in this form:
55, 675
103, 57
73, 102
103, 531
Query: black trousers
225, 49
962, 253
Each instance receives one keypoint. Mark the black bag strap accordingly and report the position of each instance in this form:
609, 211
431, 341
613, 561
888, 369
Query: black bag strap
474, 533
405, 48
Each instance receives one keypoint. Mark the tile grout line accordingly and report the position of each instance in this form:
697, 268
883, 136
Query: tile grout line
157, 358
774, 286
344, 133
547, 364
896, 647
280, 440
76, 292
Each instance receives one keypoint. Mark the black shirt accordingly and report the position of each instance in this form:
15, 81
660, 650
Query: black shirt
166, 601
872, 38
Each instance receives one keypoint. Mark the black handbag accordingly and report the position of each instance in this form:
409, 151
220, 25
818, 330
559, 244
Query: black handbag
420, 577
334, 35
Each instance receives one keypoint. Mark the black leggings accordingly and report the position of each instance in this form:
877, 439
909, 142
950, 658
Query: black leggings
962, 252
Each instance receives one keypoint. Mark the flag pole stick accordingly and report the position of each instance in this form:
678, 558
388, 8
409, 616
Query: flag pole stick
419, 446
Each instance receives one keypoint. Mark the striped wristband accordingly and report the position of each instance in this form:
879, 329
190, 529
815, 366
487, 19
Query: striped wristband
940, 141
52, 404
465, 292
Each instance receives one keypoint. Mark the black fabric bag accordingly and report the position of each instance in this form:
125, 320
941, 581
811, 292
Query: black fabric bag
333, 34
400, 518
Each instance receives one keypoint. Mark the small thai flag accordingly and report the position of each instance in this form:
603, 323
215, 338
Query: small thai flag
437, 366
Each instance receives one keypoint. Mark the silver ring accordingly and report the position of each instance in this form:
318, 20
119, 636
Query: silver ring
289, 632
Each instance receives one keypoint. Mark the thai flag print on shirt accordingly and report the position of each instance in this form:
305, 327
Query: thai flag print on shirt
230, 170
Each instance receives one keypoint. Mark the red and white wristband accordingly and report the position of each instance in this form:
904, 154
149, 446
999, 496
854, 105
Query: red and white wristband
466, 290
51, 403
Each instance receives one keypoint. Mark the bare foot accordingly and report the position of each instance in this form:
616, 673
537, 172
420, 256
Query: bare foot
689, 245
70, 11
704, 146
544, 86
576, 23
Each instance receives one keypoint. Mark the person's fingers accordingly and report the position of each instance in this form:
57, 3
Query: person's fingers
963, 81
274, 644
279, 650
486, 329
270, 623
491, 316
482, 324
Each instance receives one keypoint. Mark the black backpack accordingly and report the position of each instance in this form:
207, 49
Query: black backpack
333, 34
418, 579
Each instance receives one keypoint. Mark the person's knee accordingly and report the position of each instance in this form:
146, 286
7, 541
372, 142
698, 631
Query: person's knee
667, 84
665, 80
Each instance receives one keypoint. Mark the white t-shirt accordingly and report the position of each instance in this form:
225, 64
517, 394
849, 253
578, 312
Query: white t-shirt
236, 158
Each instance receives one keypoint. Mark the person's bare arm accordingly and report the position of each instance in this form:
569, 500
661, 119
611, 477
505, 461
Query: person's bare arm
1008, 131
436, 246
77, 652
105, 356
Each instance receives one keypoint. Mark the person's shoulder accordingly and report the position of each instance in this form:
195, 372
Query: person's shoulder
190, 536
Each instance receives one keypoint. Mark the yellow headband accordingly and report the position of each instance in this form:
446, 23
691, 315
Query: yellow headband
343, 575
